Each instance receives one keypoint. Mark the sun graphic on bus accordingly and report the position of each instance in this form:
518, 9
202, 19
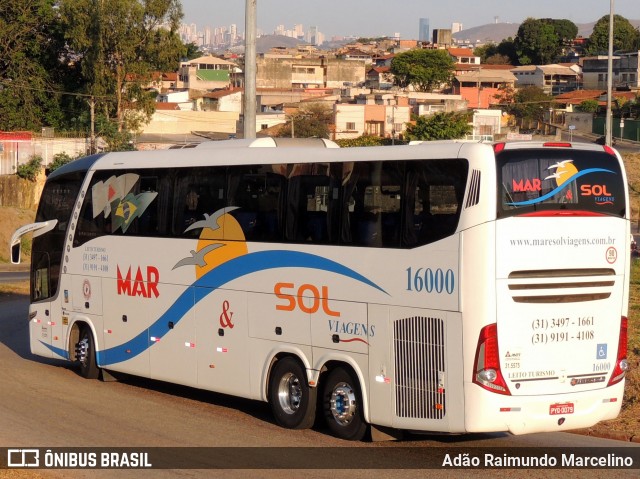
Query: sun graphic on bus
564, 170
221, 239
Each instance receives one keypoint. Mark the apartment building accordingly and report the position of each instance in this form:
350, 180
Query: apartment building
206, 73
553, 79
378, 115
626, 72
282, 72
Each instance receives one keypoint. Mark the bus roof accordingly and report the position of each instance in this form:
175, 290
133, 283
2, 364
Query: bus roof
226, 153
518, 145
80, 165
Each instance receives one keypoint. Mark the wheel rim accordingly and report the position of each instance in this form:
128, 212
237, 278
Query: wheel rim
82, 351
343, 403
290, 393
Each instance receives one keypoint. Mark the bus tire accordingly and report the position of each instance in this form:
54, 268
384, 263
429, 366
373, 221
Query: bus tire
86, 354
342, 405
292, 400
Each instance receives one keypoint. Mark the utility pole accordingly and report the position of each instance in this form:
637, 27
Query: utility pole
609, 119
92, 138
250, 69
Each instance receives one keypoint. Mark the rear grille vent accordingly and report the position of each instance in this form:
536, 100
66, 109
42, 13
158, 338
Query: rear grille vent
420, 368
561, 285
473, 197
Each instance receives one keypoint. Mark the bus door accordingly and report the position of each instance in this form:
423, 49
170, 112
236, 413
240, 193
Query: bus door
40, 310
223, 340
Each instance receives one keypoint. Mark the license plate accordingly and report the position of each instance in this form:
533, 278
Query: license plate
564, 408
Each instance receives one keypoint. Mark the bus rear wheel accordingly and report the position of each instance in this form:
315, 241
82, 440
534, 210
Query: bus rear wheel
342, 404
292, 400
86, 354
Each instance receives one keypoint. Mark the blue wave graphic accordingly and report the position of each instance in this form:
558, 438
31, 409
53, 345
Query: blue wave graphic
561, 187
223, 274
63, 353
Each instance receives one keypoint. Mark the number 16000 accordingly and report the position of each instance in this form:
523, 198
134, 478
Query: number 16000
426, 279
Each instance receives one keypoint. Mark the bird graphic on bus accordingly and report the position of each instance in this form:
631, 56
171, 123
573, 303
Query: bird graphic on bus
211, 221
564, 170
218, 229
197, 257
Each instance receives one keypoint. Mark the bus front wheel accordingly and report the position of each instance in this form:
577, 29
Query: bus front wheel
292, 400
86, 354
342, 404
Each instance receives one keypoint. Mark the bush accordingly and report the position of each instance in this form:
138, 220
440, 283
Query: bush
59, 159
31, 169
365, 140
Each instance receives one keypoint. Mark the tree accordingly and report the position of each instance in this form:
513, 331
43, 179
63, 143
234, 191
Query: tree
540, 41
118, 44
507, 48
566, 30
485, 51
625, 36
26, 53
422, 69
192, 51
589, 106
529, 103
440, 126
311, 121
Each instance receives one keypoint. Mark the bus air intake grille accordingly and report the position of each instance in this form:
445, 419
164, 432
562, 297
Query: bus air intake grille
420, 368
561, 285
473, 196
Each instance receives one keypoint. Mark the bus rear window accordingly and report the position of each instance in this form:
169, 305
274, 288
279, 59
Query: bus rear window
549, 180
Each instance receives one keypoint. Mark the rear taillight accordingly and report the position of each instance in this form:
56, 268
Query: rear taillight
486, 368
498, 147
621, 361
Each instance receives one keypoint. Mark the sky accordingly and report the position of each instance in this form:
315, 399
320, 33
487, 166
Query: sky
372, 18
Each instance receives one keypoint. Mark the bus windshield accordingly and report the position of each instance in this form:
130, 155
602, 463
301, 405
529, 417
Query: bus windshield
559, 180
57, 202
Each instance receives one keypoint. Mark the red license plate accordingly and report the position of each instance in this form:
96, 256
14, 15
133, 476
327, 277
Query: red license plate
564, 408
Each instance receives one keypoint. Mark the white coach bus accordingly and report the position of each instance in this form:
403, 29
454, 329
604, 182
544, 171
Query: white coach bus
446, 286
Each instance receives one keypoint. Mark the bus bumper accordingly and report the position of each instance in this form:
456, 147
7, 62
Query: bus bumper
490, 412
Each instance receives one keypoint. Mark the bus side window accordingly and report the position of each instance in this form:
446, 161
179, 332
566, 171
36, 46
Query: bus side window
435, 190
196, 192
257, 194
372, 210
312, 197
147, 221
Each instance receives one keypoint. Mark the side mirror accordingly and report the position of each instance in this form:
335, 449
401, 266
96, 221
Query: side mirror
15, 253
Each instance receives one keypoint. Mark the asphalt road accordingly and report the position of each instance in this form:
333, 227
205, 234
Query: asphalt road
623, 146
44, 403
9, 277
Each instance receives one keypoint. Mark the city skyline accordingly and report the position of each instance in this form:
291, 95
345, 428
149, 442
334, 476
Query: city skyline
375, 18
